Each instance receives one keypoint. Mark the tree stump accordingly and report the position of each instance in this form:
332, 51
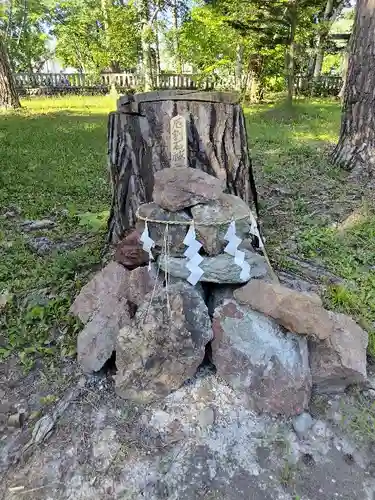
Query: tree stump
139, 145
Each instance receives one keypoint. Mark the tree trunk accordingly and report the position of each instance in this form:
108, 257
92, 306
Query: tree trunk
239, 67
319, 57
177, 45
8, 93
146, 47
322, 38
139, 145
355, 150
344, 69
157, 52
290, 50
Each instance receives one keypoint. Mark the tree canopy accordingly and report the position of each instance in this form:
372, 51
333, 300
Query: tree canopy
250, 42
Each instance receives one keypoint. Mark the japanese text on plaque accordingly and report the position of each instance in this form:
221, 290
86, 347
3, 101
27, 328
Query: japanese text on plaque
178, 142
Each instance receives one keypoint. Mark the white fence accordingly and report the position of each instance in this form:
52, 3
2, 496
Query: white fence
123, 80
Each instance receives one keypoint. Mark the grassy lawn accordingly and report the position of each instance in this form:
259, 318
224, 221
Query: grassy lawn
309, 208
53, 165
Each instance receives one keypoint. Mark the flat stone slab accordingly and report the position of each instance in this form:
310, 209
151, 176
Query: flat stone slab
174, 234
298, 312
198, 443
218, 269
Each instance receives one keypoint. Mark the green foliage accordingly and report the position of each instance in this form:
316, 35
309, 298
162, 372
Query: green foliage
22, 26
359, 419
205, 40
93, 35
332, 64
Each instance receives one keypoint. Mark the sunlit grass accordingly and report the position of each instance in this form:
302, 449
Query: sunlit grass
290, 151
52, 164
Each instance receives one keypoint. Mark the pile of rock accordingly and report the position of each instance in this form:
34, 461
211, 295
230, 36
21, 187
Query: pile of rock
185, 195
271, 344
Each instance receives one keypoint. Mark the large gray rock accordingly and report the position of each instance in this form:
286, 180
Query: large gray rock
218, 269
212, 221
164, 345
105, 304
37, 225
158, 232
341, 359
254, 355
177, 188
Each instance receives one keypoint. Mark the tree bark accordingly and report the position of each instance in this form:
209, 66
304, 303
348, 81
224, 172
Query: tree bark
177, 45
157, 51
355, 150
146, 47
8, 94
239, 67
139, 145
290, 49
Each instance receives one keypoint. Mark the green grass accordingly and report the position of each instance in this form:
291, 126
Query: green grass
358, 418
53, 164
305, 198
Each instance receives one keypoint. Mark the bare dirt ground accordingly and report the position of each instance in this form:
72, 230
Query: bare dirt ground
200, 442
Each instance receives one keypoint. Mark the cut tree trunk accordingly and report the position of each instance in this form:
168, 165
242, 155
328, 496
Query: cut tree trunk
355, 150
8, 94
139, 145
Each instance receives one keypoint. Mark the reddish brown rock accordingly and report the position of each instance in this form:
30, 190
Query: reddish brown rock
107, 287
341, 359
130, 253
301, 313
97, 341
255, 357
106, 304
141, 281
177, 188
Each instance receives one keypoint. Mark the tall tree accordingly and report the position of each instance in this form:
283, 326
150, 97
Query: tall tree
8, 93
332, 10
96, 35
355, 150
274, 24
22, 23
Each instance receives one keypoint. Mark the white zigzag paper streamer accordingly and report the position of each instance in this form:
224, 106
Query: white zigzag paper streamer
192, 253
254, 229
232, 249
148, 243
